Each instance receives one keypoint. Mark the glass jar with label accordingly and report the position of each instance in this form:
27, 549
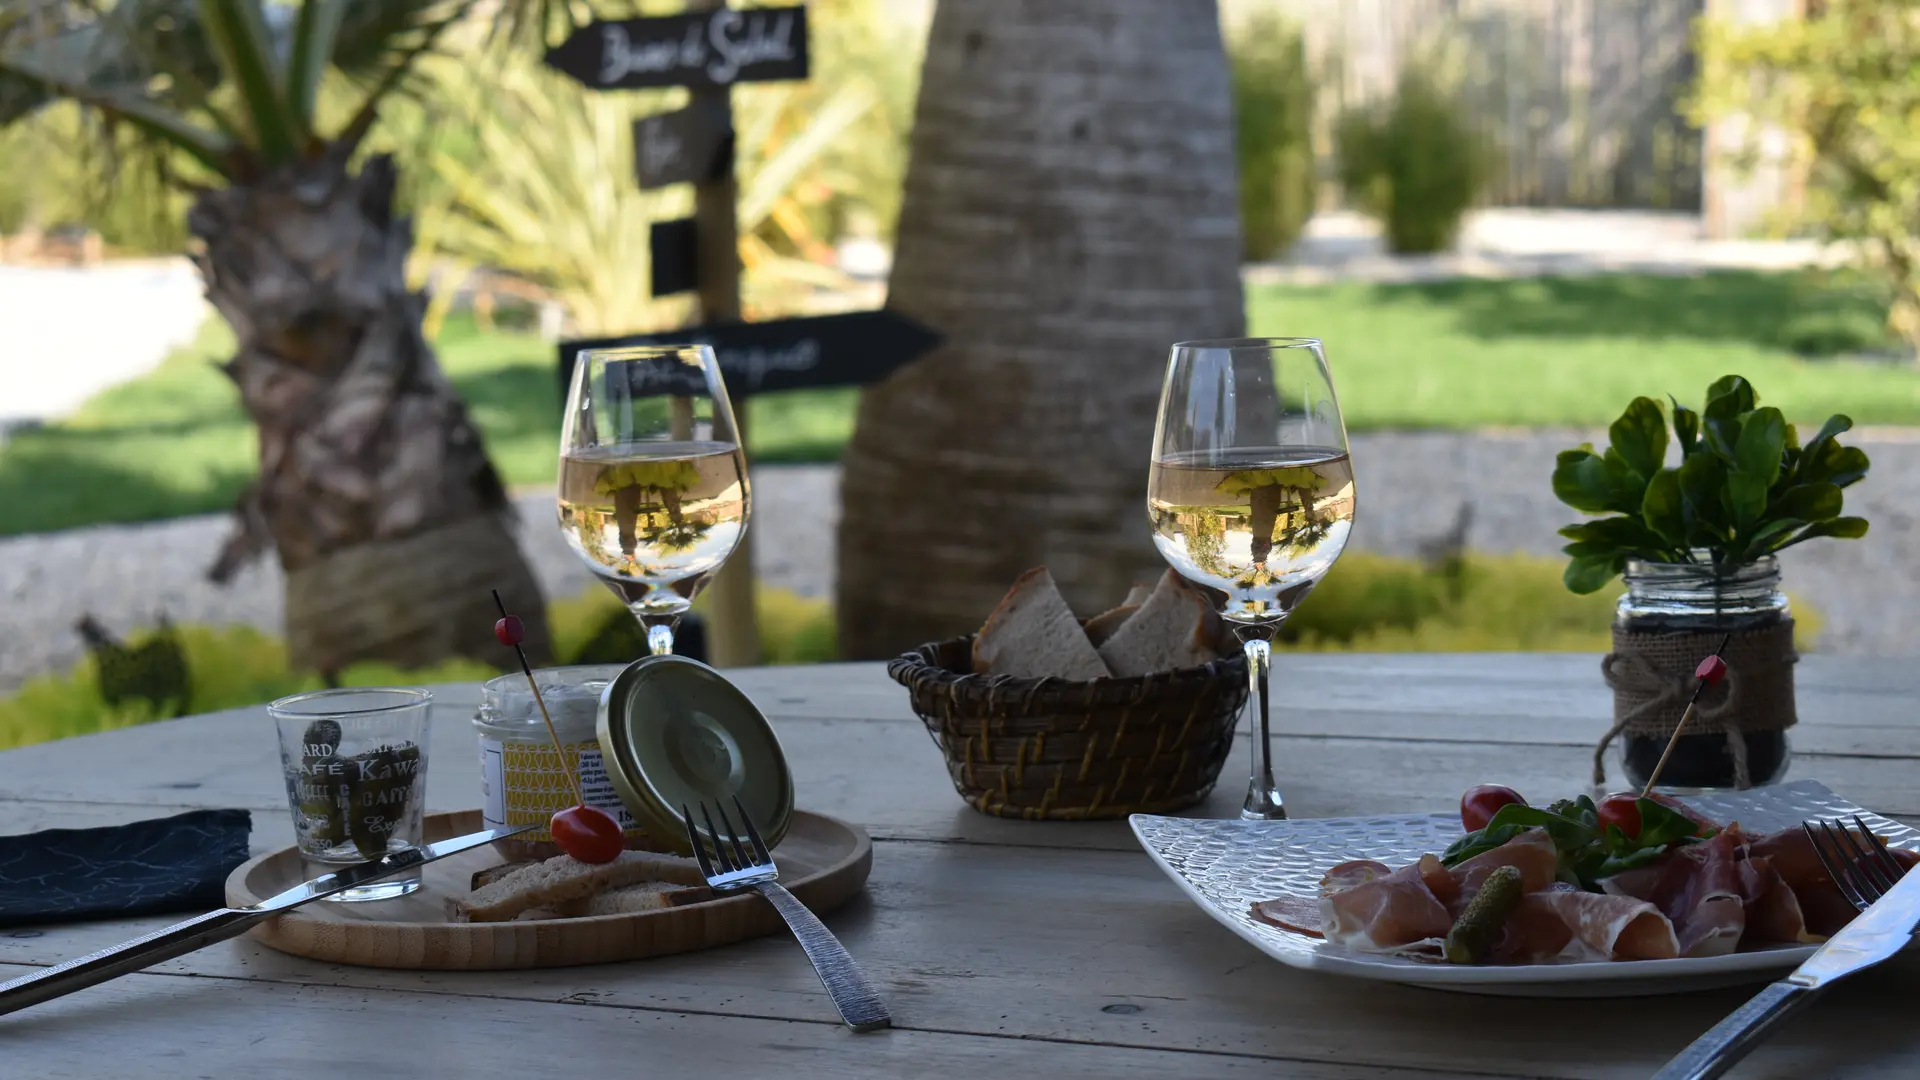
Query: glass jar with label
523, 781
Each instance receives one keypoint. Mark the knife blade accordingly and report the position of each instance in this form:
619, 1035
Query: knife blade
182, 938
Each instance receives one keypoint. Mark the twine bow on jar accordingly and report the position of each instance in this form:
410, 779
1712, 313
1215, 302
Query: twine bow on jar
1652, 679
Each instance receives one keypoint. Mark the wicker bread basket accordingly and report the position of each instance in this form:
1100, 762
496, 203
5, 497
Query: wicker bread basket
1061, 750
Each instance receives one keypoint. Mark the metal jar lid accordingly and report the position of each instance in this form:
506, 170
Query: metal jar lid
675, 732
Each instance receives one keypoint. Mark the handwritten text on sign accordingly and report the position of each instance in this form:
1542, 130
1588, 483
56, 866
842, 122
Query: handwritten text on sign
851, 349
699, 49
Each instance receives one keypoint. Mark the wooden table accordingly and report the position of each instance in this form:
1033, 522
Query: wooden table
1048, 946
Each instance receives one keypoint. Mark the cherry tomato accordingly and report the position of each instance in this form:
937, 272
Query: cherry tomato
1622, 810
588, 833
1479, 804
510, 630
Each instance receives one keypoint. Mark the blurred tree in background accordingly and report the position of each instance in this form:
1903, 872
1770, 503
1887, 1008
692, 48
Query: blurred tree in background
1070, 209
1844, 82
375, 488
1413, 161
1273, 121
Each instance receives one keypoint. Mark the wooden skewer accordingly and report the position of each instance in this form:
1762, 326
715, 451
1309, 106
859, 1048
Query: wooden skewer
572, 779
1710, 671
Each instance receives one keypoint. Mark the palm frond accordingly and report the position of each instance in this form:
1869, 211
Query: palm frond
209, 148
777, 174
238, 30
315, 32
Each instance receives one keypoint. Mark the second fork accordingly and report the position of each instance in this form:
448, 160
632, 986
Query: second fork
749, 866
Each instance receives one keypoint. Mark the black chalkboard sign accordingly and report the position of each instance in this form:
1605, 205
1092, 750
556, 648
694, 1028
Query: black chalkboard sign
699, 49
674, 248
852, 349
688, 146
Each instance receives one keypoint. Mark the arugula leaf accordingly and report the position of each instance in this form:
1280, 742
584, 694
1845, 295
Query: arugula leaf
1571, 824
1661, 825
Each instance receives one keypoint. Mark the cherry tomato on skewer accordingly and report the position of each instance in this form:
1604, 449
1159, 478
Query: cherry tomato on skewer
588, 833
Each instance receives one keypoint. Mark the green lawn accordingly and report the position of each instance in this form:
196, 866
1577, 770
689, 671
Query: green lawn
1457, 354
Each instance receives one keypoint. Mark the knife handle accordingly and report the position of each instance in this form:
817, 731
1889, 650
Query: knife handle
163, 944
1712, 1054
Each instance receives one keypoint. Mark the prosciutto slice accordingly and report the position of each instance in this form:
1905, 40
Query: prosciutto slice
1390, 913
1595, 926
1824, 909
1532, 853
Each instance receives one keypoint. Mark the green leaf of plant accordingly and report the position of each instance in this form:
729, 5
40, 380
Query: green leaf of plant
1769, 537
1703, 485
1639, 437
1727, 399
238, 31
1590, 573
1836, 425
1763, 439
1686, 428
1810, 502
1663, 508
1850, 467
1587, 481
1840, 528
1747, 495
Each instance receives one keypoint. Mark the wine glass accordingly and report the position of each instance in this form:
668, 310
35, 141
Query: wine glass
653, 479
1251, 496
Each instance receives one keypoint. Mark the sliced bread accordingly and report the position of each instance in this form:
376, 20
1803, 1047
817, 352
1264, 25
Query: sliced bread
1137, 595
551, 884
1174, 628
1102, 626
646, 896
1034, 635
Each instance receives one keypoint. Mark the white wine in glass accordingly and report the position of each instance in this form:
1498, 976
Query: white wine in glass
653, 487
1251, 496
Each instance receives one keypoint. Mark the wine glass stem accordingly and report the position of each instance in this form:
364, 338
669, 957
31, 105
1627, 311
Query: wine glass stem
659, 632
660, 639
1264, 801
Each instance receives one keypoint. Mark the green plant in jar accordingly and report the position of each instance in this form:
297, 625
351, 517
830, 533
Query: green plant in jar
1745, 487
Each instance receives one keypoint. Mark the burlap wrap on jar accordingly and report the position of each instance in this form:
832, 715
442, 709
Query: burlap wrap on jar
1652, 679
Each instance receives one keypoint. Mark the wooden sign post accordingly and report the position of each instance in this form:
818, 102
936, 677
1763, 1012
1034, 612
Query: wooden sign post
708, 49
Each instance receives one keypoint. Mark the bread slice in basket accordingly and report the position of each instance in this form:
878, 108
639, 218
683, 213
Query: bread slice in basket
558, 882
1033, 634
1175, 627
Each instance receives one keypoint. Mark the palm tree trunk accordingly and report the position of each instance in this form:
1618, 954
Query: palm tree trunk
1070, 211
374, 488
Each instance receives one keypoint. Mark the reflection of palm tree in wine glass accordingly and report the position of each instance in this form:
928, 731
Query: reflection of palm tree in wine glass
1267, 491
1206, 534
632, 483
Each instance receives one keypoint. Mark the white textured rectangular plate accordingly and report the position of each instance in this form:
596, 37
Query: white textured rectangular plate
1226, 866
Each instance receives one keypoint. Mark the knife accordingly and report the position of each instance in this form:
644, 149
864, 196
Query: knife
182, 938
1874, 935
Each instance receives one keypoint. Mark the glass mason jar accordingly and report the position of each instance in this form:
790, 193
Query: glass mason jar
522, 779
1691, 598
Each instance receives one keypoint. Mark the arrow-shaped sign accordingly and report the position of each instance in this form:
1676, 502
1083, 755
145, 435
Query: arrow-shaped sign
853, 349
698, 49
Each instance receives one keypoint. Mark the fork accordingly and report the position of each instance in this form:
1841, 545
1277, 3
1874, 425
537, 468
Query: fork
750, 867
1864, 872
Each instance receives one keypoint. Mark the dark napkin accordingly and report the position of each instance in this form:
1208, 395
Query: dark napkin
171, 864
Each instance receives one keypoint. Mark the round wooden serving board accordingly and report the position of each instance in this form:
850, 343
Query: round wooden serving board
823, 861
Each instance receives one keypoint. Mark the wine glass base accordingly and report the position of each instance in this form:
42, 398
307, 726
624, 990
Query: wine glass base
1263, 804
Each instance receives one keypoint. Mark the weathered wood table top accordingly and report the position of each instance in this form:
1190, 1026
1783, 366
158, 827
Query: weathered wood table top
1044, 946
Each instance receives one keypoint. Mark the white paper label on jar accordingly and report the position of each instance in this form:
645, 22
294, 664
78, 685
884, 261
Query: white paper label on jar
599, 790
493, 783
